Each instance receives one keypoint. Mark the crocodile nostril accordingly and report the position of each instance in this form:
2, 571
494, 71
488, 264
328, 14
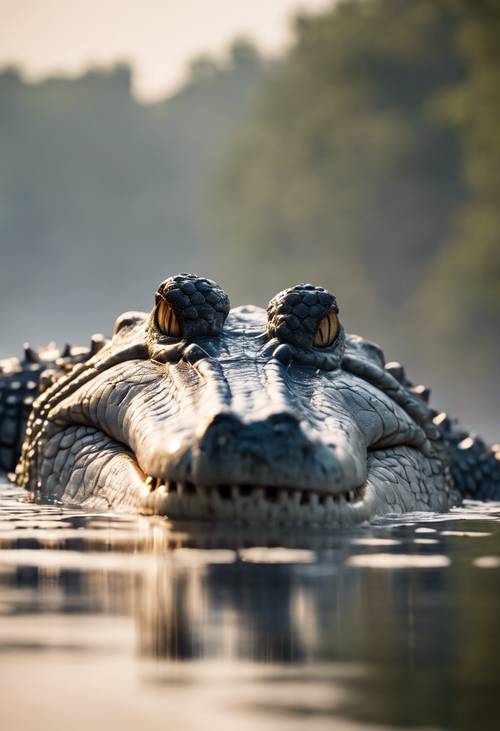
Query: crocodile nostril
220, 428
224, 419
219, 432
284, 426
283, 422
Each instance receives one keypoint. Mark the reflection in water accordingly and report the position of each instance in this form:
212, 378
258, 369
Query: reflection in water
391, 625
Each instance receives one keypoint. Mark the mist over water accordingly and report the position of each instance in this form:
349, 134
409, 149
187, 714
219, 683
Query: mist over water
346, 162
103, 198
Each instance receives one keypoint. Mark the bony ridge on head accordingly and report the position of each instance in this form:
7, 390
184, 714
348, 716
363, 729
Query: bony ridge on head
187, 306
304, 321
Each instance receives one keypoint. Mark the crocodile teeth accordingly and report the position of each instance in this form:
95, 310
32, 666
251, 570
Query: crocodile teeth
201, 491
251, 503
283, 497
259, 494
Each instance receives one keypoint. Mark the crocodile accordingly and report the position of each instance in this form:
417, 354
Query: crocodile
198, 411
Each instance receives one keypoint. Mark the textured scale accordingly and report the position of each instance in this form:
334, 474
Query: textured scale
474, 465
194, 410
22, 380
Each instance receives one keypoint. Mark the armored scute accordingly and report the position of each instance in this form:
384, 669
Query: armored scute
201, 412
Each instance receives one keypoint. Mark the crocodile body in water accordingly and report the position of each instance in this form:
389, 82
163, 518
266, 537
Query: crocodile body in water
198, 411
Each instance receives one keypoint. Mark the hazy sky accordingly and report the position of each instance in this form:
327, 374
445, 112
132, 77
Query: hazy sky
158, 37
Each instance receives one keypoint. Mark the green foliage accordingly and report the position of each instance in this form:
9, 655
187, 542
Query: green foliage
343, 176
366, 159
371, 165
464, 289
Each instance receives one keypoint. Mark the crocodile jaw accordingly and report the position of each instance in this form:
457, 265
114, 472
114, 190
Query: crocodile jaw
235, 434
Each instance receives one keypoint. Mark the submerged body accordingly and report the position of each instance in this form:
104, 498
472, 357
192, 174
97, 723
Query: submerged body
198, 411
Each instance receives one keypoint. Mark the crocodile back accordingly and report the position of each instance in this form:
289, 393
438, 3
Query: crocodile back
22, 379
474, 465
19, 381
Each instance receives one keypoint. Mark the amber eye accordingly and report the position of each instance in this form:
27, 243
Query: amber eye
167, 320
327, 331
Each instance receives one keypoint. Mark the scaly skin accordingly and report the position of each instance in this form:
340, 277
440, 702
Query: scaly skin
238, 415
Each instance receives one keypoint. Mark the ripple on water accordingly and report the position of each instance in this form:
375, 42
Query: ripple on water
487, 562
399, 561
465, 534
239, 629
259, 554
376, 542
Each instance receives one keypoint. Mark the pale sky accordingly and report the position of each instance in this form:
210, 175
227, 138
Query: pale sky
158, 37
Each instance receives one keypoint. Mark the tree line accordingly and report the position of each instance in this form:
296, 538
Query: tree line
366, 159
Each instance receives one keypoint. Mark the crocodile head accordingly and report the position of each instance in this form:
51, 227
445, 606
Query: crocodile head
198, 411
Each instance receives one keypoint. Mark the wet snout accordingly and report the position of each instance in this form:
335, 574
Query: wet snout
277, 450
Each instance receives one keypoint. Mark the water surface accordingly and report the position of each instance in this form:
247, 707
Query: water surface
126, 622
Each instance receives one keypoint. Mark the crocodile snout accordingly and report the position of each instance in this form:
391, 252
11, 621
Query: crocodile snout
277, 450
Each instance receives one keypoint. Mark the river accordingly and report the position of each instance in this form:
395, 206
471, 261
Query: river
124, 622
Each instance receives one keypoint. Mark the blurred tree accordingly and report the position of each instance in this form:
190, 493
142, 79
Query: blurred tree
102, 197
343, 176
463, 292
371, 165
365, 159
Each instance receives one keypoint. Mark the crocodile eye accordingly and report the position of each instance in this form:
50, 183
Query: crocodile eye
187, 307
167, 321
327, 331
